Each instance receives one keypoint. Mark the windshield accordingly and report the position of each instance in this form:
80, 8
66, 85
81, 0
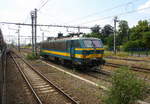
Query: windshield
97, 43
92, 43
88, 43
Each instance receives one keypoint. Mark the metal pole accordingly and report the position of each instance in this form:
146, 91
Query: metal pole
115, 20
19, 38
32, 22
43, 37
36, 32
78, 31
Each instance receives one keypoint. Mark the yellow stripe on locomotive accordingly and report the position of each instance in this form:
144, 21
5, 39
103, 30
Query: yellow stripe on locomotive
89, 49
76, 55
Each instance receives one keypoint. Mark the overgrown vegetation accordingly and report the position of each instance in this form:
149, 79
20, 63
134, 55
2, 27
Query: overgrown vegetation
121, 54
32, 56
126, 88
127, 38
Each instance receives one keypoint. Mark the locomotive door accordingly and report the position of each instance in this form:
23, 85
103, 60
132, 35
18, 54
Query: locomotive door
72, 49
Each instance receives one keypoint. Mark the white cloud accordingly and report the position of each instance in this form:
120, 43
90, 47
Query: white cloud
146, 5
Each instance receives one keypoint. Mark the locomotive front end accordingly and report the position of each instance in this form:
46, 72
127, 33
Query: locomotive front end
91, 52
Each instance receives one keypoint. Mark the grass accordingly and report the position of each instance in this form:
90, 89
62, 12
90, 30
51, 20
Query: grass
124, 54
120, 54
32, 56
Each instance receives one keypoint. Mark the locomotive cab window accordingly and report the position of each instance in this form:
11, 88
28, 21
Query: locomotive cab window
92, 43
97, 43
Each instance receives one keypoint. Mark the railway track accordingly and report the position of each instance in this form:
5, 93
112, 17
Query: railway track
127, 59
44, 91
98, 74
145, 70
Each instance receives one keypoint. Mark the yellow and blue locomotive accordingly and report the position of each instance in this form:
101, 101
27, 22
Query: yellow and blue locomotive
78, 51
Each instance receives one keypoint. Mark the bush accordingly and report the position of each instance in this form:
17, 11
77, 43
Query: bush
126, 88
32, 56
133, 45
110, 43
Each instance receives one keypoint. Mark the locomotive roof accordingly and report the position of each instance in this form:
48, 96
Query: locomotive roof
73, 38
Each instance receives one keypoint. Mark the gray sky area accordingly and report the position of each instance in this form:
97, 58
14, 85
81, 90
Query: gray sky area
68, 12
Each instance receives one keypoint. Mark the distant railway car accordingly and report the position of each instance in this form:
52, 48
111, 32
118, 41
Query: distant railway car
82, 52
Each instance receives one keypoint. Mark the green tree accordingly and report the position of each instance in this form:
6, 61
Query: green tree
106, 31
140, 36
96, 29
141, 27
95, 35
110, 41
95, 32
123, 32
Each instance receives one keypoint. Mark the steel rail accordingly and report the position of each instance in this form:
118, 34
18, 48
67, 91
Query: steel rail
46, 79
127, 59
28, 82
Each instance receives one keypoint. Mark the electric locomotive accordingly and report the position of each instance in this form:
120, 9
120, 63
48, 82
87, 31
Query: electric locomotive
77, 51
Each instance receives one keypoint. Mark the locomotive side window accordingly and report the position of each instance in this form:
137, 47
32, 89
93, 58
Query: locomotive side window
76, 44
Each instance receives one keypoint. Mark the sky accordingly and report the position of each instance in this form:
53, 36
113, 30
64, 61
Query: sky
68, 12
